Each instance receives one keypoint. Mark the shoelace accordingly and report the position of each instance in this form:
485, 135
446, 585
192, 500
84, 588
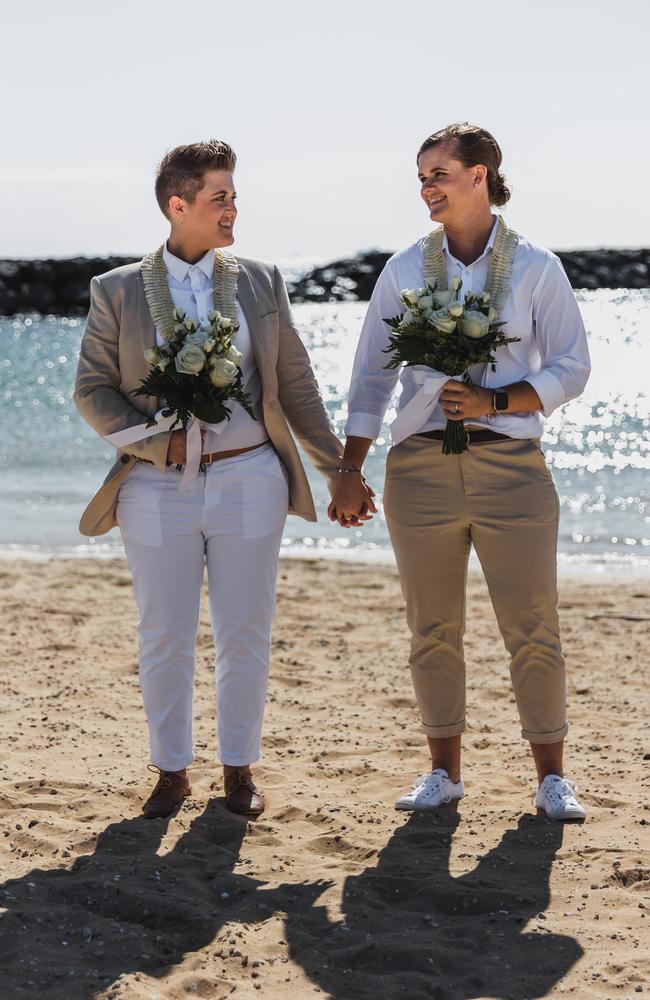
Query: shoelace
559, 791
164, 781
238, 780
430, 783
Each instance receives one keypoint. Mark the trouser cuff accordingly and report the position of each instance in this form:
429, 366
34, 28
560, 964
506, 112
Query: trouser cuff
441, 732
554, 737
169, 764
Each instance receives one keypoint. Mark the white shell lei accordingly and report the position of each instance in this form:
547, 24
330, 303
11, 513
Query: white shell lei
499, 270
159, 300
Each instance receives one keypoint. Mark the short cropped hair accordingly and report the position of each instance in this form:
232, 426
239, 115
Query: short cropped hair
182, 170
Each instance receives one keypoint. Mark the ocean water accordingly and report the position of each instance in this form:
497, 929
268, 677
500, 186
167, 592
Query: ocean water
598, 447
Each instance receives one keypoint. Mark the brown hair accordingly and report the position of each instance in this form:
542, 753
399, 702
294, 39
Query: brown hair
182, 170
473, 145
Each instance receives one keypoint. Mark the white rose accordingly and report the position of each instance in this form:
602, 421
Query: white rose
234, 355
410, 296
178, 315
162, 363
151, 355
223, 372
407, 318
225, 324
474, 324
442, 299
198, 337
455, 284
212, 315
190, 360
209, 344
425, 302
191, 325
456, 309
443, 321
485, 297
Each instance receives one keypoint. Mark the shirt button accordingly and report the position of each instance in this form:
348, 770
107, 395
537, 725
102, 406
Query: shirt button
125, 459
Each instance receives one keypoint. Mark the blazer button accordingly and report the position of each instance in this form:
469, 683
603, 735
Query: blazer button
125, 459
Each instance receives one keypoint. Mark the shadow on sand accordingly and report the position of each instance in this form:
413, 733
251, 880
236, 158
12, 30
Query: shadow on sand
411, 929
68, 933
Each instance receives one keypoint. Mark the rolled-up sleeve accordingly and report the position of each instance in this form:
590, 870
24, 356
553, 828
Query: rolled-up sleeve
561, 340
372, 384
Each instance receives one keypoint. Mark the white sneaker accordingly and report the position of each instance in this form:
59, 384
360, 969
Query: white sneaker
432, 791
557, 797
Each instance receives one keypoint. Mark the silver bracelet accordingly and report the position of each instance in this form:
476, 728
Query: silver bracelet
353, 468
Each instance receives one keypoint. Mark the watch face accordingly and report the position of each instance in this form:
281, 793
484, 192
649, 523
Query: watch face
501, 401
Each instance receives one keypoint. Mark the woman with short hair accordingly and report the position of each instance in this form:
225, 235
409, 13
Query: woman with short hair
229, 515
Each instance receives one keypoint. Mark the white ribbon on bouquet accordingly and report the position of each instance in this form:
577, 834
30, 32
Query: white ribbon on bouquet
193, 447
417, 411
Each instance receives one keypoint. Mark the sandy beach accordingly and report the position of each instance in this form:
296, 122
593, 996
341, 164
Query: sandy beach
331, 891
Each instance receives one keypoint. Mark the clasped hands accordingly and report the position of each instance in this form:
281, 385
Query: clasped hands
352, 503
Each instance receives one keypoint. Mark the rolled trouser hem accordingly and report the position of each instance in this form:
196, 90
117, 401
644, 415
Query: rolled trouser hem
441, 732
177, 765
554, 737
234, 760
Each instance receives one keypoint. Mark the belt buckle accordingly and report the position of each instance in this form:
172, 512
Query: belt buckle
208, 460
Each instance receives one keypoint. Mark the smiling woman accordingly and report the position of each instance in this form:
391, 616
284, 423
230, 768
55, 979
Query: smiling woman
228, 509
195, 191
498, 494
442, 156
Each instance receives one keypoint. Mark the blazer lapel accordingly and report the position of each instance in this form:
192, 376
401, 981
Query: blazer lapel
248, 302
147, 327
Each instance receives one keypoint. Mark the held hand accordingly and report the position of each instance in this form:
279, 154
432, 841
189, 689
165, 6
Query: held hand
461, 402
176, 449
352, 503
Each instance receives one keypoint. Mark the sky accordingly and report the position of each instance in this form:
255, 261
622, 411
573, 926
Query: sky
326, 105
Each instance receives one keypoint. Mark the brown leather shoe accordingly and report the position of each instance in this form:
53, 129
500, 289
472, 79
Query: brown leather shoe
170, 790
241, 794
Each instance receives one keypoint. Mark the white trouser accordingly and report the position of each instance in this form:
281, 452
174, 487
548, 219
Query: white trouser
231, 519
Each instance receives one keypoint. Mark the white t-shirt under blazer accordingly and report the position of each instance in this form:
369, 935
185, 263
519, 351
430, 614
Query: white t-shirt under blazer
191, 288
552, 353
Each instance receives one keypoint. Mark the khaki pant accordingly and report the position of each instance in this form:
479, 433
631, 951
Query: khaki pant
500, 497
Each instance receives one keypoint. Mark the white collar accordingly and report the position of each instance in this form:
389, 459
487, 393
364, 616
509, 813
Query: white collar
179, 269
488, 245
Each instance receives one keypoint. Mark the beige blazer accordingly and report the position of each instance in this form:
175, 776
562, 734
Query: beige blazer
111, 365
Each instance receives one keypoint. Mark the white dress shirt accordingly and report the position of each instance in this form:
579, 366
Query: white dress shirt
552, 354
191, 288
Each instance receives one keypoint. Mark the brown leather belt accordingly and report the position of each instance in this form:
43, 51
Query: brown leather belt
474, 436
215, 456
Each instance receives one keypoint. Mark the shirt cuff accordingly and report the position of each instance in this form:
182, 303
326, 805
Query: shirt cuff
363, 425
549, 389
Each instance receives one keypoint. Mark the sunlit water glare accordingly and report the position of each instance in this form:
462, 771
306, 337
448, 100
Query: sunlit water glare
598, 447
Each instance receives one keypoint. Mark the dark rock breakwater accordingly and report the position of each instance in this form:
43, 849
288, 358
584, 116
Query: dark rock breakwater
60, 287
353, 278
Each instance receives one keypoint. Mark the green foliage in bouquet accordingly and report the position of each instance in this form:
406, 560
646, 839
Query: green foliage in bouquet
440, 332
196, 371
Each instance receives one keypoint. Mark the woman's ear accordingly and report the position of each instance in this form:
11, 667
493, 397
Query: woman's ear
480, 173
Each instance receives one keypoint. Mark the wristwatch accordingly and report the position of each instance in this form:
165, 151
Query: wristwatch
500, 400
